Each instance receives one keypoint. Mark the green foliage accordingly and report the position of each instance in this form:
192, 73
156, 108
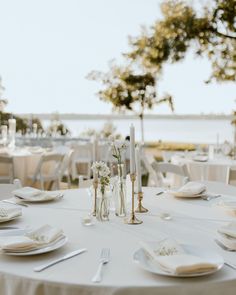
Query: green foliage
211, 31
127, 90
21, 124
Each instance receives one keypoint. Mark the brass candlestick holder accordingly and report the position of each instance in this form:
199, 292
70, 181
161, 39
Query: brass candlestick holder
133, 219
95, 186
140, 208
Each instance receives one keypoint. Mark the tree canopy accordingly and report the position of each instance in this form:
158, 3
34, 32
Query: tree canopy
211, 31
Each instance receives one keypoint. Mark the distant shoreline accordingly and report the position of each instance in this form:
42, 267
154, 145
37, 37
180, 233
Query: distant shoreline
72, 117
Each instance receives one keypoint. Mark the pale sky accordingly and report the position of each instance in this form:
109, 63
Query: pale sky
48, 47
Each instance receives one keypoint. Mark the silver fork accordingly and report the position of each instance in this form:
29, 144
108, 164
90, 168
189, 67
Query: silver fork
104, 259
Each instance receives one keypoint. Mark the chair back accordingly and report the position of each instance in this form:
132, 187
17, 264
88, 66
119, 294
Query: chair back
152, 175
82, 157
7, 165
167, 168
84, 183
6, 189
231, 176
55, 168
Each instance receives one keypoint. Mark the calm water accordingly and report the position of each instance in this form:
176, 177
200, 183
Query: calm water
178, 130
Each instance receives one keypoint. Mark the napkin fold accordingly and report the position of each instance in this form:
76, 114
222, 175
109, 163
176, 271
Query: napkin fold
33, 194
190, 189
229, 206
35, 239
171, 257
227, 235
7, 213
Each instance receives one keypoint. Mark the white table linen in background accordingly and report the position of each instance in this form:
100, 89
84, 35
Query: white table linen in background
121, 274
213, 170
25, 162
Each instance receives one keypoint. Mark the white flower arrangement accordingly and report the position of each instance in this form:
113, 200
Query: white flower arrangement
103, 172
118, 147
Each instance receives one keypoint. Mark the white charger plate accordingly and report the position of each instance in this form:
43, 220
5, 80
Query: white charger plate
148, 264
49, 198
48, 248
178, 194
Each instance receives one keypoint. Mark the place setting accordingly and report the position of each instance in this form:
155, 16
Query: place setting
192, 190
172, 259
33, 195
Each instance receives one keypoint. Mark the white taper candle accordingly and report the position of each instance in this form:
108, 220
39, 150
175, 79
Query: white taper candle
138, 169
132, 149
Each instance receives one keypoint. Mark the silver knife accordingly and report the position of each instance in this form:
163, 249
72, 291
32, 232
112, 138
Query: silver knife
67, 256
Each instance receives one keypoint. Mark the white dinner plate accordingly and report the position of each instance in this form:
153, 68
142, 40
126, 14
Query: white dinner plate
147, 263
178, 194
39, 199
48, 248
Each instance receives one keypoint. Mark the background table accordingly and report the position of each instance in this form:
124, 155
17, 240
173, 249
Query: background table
213, 170
194, 222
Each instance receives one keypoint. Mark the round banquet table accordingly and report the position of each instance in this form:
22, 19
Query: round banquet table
194, 222
25, 161
212, 170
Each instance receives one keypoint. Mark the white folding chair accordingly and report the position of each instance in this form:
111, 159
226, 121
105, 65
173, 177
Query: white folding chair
82, 158
84, 183
6, 189
163, 169
152, 175
231, 176
7, 165
48, 170
66, 167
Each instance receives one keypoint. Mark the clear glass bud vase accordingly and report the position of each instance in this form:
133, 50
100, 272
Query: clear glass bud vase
103, 205
120, 195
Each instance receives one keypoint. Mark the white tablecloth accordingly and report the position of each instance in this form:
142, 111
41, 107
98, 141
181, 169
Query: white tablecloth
213, 170
25, 162
194, 221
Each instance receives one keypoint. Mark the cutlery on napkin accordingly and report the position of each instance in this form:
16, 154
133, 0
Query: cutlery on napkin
65, 257
172, 258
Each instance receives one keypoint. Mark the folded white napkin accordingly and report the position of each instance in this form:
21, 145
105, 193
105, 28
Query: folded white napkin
172, 258
45, 234
190, 189
229, 206
33, 194
38, 238
227, 241
7, 213
229, 229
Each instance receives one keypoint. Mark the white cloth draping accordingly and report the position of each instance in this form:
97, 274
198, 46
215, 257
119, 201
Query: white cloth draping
193, 221
25, 162
213, 170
